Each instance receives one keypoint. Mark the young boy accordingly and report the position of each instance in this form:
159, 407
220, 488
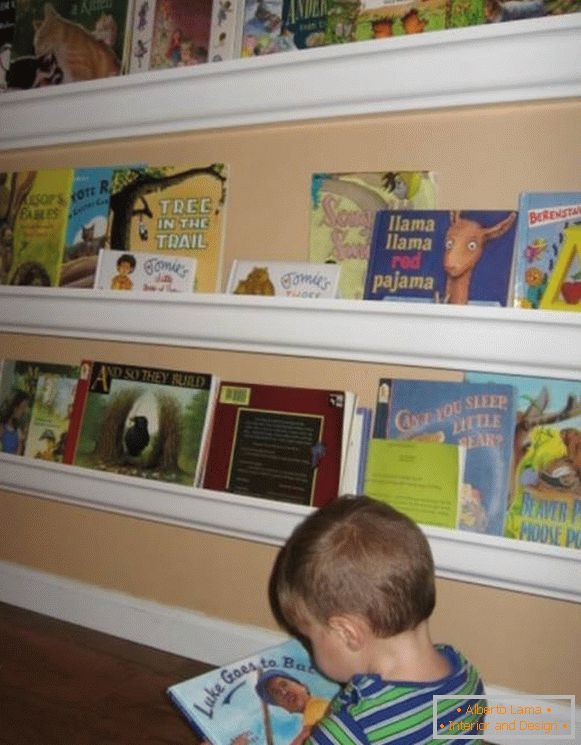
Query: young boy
355, 582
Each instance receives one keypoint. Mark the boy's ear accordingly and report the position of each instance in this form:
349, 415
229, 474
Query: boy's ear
352, 630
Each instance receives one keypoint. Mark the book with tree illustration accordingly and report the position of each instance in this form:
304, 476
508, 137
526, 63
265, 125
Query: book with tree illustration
480, 417
245, 702
65, 41
141, 421
545, 503
547, 264
33, 224
442, 256
342, 214
172, 211
279, 442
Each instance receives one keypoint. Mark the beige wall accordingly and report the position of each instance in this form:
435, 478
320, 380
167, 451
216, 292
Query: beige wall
483, 159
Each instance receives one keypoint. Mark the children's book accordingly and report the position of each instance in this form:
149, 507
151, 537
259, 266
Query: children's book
86, 232
304, 24
36, 220
261, 30
441, 256
283, 279
545, 504
279, 442
141, 421
144, 272
541, 256
51, 411
226, 30
342, 214
245, 701
353, 480
499, 11
172, 211
479, 417
7, 16
66, 41
421, 478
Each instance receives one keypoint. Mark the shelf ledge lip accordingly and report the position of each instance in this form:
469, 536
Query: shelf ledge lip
455, 67
519, 566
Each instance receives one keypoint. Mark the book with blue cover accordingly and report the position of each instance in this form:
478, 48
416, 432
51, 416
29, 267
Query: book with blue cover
457, 257
479, 417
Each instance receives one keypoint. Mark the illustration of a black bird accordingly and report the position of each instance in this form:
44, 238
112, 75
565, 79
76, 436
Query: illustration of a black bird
137, 436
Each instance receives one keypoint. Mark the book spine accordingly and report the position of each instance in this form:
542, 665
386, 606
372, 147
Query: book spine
76, 418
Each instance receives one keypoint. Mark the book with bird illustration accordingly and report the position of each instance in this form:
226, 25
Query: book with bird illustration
268, 697
342, 213
145, 422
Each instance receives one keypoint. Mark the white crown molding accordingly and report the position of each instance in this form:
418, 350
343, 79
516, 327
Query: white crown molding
526, 60
489, 560
489, 339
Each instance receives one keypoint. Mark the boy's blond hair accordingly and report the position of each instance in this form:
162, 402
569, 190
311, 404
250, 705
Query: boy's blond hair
356, 556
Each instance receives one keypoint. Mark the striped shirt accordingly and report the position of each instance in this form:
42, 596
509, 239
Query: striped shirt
372, 711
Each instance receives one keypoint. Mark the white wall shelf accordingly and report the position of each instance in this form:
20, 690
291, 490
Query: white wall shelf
454, 337
514, 565
536, 59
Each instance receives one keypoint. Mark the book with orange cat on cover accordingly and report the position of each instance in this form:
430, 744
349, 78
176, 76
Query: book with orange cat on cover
65, 41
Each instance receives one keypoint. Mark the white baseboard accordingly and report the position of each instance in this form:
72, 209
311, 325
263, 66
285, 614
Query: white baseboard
168, 628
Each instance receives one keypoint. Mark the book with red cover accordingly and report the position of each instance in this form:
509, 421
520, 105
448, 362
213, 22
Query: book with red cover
278, 442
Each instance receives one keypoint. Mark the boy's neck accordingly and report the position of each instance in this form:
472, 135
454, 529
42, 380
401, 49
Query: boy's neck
409, 656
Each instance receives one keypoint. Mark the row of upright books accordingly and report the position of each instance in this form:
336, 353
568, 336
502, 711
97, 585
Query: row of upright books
48, 43
489, 454
374, 236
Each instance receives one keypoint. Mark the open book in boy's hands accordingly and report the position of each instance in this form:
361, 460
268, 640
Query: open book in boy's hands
265, 699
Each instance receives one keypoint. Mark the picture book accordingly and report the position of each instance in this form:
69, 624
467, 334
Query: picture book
279, 442
144, 272
283, 279
226, 30
247, 698
86, 231
545, 505
499, 11
173, 211
141, 421
33, 233
304, 24
541, 257
51, 411
342, 214
438, 256
421, 478
66, 41
261, 29
479, 417
7, 16
170, 33
353, 479
19, 380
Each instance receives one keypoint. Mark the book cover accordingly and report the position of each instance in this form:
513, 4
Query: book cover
7, 16
51, 411
283, 279
539, 249
35, 228
442, 256
545, 504
304, 24
245, 699
420, 478
226, 30
86, 231
261, 31
342, 213
479, 417
353, 480
67, 41
180, 33
144, 272
499, 11
172, 211
141, 421
278, 442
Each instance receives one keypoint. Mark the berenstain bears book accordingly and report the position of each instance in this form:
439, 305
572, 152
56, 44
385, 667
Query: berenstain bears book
172, 211
141, 421
442, 256
279, 442
541, 256
479, 417
545, 505
268, 697
343, 209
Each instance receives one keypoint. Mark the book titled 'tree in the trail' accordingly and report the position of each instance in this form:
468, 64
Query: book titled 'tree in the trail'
141, 421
